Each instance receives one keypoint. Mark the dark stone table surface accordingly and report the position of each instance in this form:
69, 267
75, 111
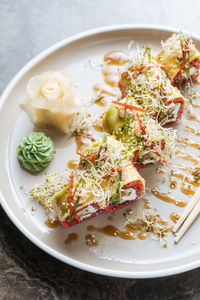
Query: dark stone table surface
27, 28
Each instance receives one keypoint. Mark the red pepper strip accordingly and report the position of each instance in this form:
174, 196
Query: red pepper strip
164, 94
134, 70
70, 197
162, 144
163, 161
83, 207
136, 156
119, 85
130, 106
195, 76
180, 112
120, 168
152, 147
141, 125
139, 69
155, 152
107, 175
158, 154
184, 57
87, 156
142, 68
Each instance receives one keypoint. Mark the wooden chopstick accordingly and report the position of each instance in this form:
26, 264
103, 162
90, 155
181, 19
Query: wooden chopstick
189, 215
191, 204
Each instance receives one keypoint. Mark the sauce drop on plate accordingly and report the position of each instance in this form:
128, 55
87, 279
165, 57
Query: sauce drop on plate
73, 164
72, 237
142, 236
101, 101
188, 156
162, 222
103, 89
173, 183
189, 142
51, 223
98, 125
195, 104
174, 216
113, 231
112, 75
132, 228
192, 129
184, 179
116, 57
83, 140
91, 240
193, 118
167, 198
187, 190
147, 203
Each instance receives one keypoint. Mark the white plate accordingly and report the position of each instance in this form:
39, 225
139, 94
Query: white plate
113, 256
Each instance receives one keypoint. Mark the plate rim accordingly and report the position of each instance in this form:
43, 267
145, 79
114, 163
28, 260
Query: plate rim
11, 215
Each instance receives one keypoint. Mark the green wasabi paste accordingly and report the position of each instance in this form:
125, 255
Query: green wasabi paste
35, 151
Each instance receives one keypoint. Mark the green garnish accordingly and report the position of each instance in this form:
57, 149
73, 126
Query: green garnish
71, 217
147, 53
104, 141
116, 191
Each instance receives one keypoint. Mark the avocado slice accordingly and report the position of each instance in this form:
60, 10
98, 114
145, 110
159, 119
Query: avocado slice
111, 120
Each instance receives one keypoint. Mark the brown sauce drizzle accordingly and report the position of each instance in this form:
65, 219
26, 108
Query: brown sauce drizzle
83, 140
147, 203
101, 101
167, 198
184, 178
72, 237
189, 142
111, 71
192, 129
142, 236
193, 118
160, 171
182, 167
174, 216
195, 104
188, 156
128, 211
91, 240
132, 229
173, 183
116, 57
113, 231
111, 75
73, 164
109, 218
103, 89
98, 125
162, 222
169, 229
51, 223
187, 190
